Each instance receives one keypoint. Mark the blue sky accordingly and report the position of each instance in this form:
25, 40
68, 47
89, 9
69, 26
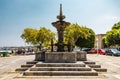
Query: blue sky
16, 15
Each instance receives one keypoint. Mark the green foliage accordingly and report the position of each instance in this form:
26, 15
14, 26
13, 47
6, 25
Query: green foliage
86, 42
30, 35
104, 44
42, 36
116, 26
112, 37
77, 34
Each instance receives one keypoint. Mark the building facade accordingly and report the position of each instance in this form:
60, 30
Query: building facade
99, 41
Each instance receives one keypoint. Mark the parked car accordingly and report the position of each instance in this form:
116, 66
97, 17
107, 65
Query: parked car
19, 51
118, 48
30, 53
93, 51
76, 49
113, 52
99, 51
86, 49
102, 51
6, 50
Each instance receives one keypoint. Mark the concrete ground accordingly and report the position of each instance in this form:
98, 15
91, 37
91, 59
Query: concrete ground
9, 64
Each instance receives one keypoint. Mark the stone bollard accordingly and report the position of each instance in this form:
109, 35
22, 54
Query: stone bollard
81, 56
40, 56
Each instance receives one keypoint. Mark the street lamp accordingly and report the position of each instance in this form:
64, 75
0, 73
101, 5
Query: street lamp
97, 44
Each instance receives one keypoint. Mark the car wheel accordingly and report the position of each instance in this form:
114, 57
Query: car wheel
112, 54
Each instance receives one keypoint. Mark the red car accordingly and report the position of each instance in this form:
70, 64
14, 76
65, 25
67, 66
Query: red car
102, 51
99, 51
93, 51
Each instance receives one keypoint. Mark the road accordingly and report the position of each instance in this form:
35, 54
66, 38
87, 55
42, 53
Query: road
112, 63
9, 64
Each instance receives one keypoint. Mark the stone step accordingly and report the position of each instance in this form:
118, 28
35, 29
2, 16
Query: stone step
27, 65
89, 62
59, 65
94, 66
60, 73
100, 69
60, 69
31, 62
21, 69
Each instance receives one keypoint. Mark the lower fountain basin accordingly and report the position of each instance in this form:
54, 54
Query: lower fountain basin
60, 57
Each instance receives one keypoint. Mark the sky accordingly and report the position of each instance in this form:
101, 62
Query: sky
16, 15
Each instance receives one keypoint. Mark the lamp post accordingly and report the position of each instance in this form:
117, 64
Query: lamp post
97, 44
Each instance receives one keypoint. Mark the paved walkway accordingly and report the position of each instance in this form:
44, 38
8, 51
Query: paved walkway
9, 64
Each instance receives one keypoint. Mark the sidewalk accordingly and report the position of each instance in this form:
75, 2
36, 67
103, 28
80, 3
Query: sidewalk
9, 64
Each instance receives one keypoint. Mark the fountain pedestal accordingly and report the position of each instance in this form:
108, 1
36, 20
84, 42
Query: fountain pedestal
60, 57
40, 56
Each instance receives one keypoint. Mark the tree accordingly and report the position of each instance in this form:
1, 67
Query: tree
104, 44
74, 33
116, 26
30, 36
112, 37
89, 42
42, 36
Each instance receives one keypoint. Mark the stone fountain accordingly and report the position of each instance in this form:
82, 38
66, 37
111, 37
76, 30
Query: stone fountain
60, 63
60, 56
60, 25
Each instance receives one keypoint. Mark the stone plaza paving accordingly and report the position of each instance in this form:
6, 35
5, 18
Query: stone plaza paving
9, 64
